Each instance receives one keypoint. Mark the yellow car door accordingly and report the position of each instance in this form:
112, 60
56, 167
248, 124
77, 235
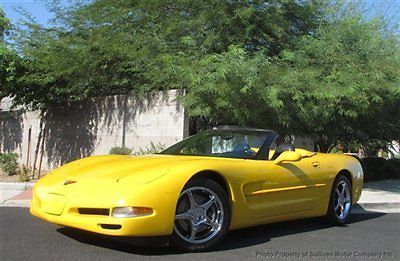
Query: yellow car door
289, 186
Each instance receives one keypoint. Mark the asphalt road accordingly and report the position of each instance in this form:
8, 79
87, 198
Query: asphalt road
369, 236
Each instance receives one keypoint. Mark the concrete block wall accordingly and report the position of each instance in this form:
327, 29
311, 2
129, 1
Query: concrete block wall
94, 127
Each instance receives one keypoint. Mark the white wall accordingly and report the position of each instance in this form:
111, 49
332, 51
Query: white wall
94, 127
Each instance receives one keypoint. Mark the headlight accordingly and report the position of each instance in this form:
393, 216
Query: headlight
126, 212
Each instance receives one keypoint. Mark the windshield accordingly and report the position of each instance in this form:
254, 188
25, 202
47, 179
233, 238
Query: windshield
222, 143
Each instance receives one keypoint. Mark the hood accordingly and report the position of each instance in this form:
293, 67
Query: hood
141, 169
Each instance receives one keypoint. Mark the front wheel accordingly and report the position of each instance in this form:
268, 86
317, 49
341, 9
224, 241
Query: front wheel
203, 215
340, 201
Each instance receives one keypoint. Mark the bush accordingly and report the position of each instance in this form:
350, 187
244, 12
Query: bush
380, 168
9, 163
120, 151
24, 174
392, 168
152, 149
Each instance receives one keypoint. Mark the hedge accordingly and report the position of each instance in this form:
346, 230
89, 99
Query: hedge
380, 169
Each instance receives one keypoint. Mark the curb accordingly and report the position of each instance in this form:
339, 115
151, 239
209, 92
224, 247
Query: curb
17, 203
382, 207
381, 204
16, 185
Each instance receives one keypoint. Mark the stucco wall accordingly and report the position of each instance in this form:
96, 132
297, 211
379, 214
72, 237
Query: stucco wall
94, 127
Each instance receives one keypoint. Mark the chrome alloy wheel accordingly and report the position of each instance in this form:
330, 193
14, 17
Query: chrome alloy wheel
199, 215
342, 200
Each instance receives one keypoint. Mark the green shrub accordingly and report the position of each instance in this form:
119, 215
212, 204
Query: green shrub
120, 151
9, 163
392, 168
380, 168
152, 149
24, 174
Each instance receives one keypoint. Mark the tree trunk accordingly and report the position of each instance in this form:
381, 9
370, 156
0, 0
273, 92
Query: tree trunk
38, 143
325, 144
322, 147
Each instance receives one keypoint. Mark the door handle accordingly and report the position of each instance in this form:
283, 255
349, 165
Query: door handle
316, 164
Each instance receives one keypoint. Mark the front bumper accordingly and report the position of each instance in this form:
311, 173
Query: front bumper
62, 209
136, 226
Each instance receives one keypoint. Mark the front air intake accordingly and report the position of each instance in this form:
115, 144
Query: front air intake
110, 226
94, 211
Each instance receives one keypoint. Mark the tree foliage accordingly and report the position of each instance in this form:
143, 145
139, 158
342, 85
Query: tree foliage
4, 24
7, 58
106, 47
301, 67
342, 83
339, 83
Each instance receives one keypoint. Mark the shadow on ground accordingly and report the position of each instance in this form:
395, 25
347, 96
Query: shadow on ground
235, 239
391, 185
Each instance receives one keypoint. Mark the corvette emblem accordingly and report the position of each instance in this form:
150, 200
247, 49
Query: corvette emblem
67, 182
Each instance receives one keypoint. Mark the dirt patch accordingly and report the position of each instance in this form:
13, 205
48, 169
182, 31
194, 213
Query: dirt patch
15, 178
6, 178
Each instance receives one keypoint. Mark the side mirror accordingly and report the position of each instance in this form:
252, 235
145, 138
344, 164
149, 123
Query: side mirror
288, 156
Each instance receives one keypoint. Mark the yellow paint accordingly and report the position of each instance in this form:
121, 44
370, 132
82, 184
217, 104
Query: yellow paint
260, 191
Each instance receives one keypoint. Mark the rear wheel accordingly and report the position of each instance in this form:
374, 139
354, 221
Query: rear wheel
202, 216
340, 201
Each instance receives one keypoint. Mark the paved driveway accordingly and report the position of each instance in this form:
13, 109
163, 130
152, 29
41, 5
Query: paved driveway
370, 236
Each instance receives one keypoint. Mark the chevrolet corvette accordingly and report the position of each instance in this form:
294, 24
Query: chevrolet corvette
198, 189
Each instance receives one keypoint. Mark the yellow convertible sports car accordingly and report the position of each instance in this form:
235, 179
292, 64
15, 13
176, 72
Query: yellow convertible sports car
198, 189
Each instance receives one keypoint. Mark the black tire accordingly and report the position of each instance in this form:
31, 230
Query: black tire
339, 216
177, 240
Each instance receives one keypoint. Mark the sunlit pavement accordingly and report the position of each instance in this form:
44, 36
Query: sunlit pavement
15, 194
